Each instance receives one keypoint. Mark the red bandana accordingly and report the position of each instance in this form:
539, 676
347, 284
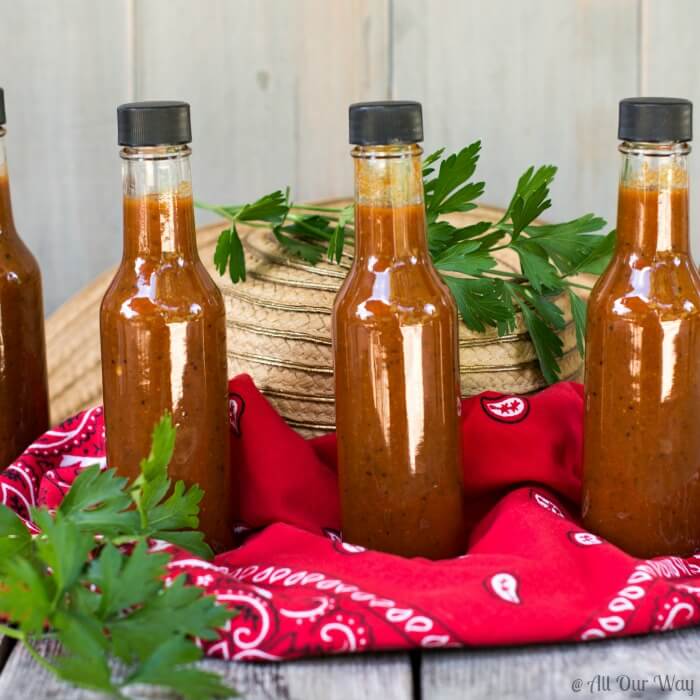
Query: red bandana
531, 572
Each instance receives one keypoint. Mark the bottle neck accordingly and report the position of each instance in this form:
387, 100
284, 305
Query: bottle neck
7, 226
158, 206
389, 210
652, 215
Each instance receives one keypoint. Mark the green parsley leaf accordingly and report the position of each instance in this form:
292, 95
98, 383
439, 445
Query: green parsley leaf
311, 252
178, 511
532, 185
482, 302
548, 344
450, 190
97, 501
540, 273
463, 257
174, 611
125, 581
236, 268
578, 311
16, 538
159, 513
152, 484
599, 257
177, 608
189, 540
337, 242
223, 252
491, 239
430, 160
229, 255
272, 208
310, 226
86, 664
63, 546
26, 593
162, 448
570, 243
548, 253
525, 211
104, 601
544, 306
165, 668
442, 235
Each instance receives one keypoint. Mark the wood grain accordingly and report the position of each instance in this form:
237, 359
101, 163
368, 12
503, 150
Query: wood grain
386, 677
269, 83
6, 647
525, 673
548, 672
64, 67
538, 82
669, 69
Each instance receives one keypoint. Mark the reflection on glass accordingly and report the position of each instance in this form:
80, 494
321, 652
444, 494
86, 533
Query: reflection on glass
396, 371
642, 442
164, 339
24, 396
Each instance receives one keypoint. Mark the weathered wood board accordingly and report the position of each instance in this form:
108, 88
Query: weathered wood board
597, 669
386, 677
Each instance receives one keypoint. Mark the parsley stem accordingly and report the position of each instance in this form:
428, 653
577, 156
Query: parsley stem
255, 224
12, 632
580, 286
217, 210
308, 207
39, 658
319, 233
504, 273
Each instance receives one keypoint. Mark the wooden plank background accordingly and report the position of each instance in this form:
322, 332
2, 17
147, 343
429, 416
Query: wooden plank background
270, 81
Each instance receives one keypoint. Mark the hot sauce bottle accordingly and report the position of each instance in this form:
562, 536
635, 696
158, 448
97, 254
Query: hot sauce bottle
24, 402
642, 443
396, 362
162, 319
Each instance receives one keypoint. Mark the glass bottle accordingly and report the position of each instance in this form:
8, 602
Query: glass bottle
396, 361
24, 398
642, 443
162, 319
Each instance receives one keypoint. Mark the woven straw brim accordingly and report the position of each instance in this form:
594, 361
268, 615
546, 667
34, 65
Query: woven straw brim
279, 331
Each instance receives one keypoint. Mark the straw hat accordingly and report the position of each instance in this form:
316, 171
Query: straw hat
279, 331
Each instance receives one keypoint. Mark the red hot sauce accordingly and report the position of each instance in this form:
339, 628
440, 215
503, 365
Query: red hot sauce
396, 372
164, 338
24, 402
642, 444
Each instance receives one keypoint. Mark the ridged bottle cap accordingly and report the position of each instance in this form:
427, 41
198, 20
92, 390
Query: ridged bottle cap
655, 119
385, 123
156, 123
2, 106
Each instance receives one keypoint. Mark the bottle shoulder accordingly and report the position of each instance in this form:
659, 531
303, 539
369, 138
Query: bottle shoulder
400, 289
666, 286
17, 263
165, 288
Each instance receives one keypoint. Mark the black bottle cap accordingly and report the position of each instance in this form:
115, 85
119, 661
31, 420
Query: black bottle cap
384, 123
2, 106
161, 123
655, 119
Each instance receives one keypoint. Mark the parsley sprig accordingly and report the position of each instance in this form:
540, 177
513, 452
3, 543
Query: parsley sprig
90, 580
550, 255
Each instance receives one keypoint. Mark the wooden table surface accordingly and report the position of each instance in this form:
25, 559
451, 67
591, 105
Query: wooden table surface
609, 670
